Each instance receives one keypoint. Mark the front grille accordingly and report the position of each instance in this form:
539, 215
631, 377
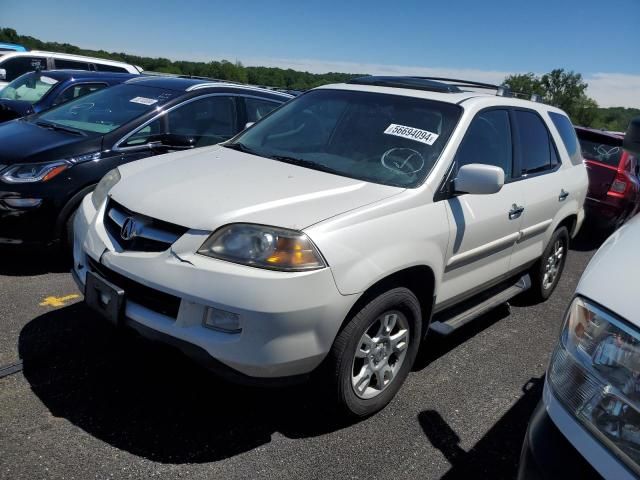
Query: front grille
151, 235
148, 297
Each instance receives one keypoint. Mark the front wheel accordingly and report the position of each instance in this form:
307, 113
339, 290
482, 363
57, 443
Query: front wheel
546, 273
373, 354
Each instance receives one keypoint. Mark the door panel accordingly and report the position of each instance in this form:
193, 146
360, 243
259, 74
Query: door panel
543, 184
482, 239
482, 231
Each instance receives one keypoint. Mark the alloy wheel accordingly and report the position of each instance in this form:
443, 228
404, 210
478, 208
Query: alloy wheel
380, 354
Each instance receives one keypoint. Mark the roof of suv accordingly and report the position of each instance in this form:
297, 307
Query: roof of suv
190, 84
440, 89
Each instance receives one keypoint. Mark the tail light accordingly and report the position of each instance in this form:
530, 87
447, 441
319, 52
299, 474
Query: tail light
619, 186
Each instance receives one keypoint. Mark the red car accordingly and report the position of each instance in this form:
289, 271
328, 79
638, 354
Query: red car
614, 188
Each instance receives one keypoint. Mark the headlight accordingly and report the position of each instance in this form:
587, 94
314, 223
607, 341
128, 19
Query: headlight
265, 247
104, 185
34, 172
42, 172
595, 372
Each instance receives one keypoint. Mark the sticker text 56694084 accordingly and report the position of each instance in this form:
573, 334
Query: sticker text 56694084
422, 136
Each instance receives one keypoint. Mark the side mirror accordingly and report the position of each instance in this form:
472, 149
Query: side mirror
248, 124
632, 137
3, 74
172, 141
479, 179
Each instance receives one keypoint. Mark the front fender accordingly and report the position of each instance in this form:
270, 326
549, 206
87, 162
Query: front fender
365, 246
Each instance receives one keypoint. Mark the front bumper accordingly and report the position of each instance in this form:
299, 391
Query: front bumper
557, 446
288, 320
20, 226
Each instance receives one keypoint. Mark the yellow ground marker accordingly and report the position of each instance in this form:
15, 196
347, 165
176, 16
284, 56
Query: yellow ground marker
58, 301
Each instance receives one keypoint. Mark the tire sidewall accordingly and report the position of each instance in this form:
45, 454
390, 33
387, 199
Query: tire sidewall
400, 299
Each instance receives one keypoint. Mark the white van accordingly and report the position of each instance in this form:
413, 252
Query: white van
14, 64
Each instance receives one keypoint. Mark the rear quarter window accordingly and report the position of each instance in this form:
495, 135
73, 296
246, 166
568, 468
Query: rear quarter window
568, 136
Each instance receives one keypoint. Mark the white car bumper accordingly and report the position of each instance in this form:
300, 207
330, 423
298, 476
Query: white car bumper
288, 320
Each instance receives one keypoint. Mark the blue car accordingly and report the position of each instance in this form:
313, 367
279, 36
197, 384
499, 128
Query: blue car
12, 47
35, 92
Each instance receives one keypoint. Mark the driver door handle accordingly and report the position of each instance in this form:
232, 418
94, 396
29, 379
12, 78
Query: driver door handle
563, 195
515, 212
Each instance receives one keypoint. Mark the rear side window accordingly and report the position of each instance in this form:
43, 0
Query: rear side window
488, 141
568, 135
536, 148
70, 64
110, 68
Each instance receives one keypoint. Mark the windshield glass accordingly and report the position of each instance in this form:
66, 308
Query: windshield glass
105, 110
379, 138
29, 87
607, 151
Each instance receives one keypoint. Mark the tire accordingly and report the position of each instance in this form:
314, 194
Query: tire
398, 308
67, 241
541, 285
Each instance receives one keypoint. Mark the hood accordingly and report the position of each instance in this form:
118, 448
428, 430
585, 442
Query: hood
10, 109
24, 142
610, 277
206, 188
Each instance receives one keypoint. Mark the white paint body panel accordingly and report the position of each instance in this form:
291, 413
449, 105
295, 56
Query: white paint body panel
365, 232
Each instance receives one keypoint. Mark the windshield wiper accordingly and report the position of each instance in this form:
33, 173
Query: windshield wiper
55, 126
241, 147
305, 163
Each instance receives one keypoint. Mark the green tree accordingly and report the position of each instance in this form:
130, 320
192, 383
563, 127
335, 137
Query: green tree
524, 84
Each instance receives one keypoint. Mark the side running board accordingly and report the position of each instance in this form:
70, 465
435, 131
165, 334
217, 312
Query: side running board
448, 321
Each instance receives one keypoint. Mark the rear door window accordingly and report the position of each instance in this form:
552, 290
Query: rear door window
536, 148
62, 64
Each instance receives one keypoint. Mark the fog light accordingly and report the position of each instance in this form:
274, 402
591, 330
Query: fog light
221, 320
23, 202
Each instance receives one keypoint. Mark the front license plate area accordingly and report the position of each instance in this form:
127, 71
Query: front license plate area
104, 297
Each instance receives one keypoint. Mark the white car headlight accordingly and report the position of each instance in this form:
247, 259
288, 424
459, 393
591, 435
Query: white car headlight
42, 172
595, 372
104, 185
264, 247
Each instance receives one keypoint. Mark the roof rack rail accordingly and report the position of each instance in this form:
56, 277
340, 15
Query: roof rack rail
501, 90
415, 83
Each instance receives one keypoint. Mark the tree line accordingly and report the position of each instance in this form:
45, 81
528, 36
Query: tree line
564, 89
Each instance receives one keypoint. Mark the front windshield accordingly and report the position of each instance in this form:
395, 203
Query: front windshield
105, 110
380, 138
29, 87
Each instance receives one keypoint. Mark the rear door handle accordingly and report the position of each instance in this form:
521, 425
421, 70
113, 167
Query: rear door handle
515, 212
563, 195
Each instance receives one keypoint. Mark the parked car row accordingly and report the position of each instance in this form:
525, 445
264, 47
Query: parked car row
275, 238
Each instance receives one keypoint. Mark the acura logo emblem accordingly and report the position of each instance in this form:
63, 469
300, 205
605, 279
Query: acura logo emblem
128, 230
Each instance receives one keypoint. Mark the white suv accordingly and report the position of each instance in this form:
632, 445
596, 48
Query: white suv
14, 64
337, 230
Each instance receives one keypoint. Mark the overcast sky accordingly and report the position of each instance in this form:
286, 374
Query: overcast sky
482, 41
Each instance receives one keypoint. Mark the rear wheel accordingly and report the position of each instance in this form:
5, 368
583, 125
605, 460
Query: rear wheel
373, 354
546, 272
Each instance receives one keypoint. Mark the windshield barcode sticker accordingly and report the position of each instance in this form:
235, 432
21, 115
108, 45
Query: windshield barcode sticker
144, 101
422, 136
